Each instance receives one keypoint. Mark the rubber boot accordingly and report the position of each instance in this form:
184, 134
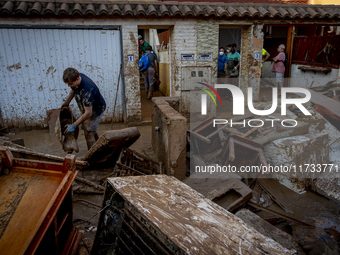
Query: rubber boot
150, 93
90, 139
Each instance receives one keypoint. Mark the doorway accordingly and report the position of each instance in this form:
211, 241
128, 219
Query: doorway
159, 40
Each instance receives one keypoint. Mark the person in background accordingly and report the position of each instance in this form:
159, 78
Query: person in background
150, 73
233, 62
222, 63
234, 46
265, 56
142, 45
279, 67
228, 48
90, 102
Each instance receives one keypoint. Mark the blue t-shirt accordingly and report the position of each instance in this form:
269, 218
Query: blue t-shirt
221, 61
87, 94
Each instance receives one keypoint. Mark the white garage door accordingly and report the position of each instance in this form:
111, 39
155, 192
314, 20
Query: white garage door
32, 62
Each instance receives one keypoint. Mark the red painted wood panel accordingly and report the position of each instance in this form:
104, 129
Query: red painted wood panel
306, 51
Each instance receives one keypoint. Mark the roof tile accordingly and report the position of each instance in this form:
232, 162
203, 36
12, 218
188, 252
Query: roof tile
243, 12
116, 9
64, 9
152, 10
186, 11
273, 11
103, 10
197, 10
302, 12
140, 10
253, 11
128, 10
242, 8
293, 13
36, 9
263, 11
209, 11
221, 11
164, 10
232, 11
313, 13
90, 10
21, 9
283, 12
7, 8
77, 9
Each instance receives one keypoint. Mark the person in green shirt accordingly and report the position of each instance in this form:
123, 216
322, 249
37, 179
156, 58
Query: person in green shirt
265, 56
233, 63
143, 45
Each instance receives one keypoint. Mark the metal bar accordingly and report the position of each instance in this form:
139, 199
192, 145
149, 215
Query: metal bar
125, 244
127, 236
144, 229
137, 235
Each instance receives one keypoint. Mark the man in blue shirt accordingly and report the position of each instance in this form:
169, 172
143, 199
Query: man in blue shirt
90, 102
222, 63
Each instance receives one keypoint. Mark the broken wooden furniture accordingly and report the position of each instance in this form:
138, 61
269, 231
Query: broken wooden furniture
240, 151
19, 151
315, 69
36, 215
131, 162
204, 138
109, 145
228, 192
158, 214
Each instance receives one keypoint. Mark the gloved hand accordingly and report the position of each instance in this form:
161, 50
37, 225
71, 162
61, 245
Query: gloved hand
70, 128
64, 105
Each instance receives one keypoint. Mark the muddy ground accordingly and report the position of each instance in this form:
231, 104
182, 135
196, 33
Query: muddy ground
86, 206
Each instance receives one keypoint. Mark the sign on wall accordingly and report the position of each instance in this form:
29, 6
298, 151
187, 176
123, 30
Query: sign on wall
204, 56
187, 57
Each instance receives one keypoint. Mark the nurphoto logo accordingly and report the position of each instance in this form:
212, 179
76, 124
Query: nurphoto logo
238, 104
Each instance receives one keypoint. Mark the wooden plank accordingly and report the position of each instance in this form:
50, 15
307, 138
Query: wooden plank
26, 196
29, 163
52, 208
281, 215
6, 156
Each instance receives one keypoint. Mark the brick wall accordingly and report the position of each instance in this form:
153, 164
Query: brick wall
131, 73
183, 40
207, 42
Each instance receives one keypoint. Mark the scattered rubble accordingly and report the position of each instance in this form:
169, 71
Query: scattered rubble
269, 230
230, 193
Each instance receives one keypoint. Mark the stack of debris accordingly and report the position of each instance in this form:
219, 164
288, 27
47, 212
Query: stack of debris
280, 204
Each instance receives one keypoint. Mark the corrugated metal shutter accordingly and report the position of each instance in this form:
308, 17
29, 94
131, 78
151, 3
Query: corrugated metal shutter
32, 62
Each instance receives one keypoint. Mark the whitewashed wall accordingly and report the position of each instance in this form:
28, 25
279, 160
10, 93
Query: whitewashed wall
300, 78
309, 78
32, 62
